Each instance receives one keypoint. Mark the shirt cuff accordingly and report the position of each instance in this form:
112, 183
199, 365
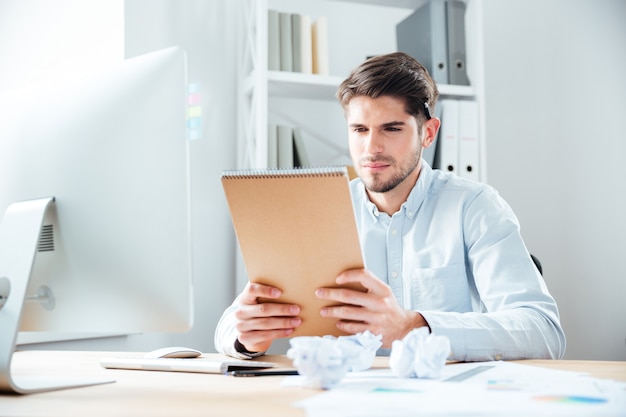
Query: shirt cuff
241, 349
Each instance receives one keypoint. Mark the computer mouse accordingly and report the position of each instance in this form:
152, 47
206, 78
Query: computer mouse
173, 352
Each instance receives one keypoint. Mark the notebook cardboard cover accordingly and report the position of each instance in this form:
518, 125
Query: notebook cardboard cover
296, 231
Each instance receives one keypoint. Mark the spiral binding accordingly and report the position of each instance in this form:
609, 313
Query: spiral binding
335, 171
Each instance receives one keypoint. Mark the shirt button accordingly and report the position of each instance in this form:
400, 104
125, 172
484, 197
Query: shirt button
394, 274
394, 231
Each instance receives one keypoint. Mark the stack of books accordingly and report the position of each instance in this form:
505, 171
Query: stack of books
297, 43
286, 148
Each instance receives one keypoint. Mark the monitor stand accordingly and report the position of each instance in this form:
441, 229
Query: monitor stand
19, 237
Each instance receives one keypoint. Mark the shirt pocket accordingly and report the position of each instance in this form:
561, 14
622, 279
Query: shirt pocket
440, 289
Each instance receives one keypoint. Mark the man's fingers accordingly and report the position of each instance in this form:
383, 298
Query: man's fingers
268, 323
253, 291
251, 311
261, 340
363, 277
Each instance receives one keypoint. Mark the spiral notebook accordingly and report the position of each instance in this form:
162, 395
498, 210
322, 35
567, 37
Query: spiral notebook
296, 231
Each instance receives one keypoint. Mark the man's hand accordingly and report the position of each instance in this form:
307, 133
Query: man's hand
376, 310
260, 323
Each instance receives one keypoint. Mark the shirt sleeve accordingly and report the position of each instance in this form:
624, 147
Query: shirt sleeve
226, 335
516, 316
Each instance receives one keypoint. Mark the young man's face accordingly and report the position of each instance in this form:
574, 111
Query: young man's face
385, 142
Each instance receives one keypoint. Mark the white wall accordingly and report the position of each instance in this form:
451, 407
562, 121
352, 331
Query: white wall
41, 40
206, 31
556, 145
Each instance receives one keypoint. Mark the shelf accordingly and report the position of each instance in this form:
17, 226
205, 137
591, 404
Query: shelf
405, 4
298, 85
304, 100
324, 87
458, 91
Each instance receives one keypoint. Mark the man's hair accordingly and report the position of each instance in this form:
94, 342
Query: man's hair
397, 75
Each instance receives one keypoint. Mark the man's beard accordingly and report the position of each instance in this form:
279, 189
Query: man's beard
377, 185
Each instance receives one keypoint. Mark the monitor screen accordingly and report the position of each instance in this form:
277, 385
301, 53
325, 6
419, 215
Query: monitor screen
108, 153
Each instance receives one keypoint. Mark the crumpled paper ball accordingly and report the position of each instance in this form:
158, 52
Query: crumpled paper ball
323, 361
368, 344
419, 355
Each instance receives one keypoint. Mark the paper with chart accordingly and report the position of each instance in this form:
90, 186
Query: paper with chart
485, 389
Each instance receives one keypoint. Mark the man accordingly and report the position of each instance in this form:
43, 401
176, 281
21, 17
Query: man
440, 251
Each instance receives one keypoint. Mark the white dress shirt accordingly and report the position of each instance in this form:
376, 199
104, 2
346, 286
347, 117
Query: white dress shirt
454, 253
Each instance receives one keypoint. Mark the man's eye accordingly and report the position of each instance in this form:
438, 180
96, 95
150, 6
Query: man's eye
359, 129
393, 129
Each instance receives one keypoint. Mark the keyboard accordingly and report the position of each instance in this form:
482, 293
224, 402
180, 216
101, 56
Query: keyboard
199, 364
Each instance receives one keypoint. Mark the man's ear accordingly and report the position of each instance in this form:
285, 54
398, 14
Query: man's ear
429, 131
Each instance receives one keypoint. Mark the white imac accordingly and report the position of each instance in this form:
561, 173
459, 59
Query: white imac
95, 207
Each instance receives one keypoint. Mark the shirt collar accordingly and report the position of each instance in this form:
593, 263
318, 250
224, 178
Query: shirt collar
414, 200
419, 191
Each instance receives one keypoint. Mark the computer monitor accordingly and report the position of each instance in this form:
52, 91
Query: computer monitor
95, 193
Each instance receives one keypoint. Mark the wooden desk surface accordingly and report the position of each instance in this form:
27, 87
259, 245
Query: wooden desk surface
154, 394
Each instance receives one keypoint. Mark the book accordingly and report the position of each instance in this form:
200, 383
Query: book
285, 146
302, 43
272, 146
286, 44
319, 33
306, 47
300, 154
296, 231
296, 42
273, 40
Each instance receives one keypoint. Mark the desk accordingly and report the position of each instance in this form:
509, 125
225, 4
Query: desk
154, 394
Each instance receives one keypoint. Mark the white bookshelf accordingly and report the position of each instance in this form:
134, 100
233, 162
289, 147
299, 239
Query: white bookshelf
356, 29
